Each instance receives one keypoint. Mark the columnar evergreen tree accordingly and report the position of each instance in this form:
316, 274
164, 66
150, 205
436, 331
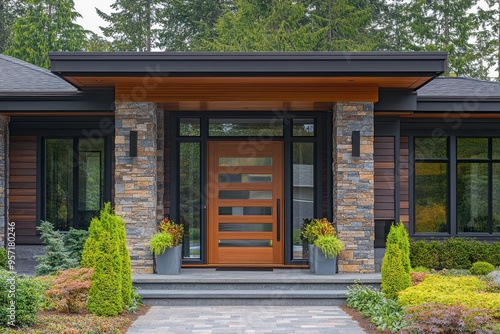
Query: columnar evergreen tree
132, 24
396, 262
47, 25
105, 250
105, 295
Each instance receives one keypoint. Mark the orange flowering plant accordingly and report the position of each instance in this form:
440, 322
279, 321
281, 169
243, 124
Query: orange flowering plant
174, 229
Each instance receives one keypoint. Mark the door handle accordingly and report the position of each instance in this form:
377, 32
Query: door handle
278, 216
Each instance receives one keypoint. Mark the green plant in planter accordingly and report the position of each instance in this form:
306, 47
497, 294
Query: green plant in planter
312, 229
160, 242
330, 245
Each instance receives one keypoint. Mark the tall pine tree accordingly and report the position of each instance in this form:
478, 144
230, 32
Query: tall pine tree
488, 39
183, 22
446, 25
47, 25
132, 24
255, 25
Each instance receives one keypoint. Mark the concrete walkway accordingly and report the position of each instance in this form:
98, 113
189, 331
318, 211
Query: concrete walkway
245, 319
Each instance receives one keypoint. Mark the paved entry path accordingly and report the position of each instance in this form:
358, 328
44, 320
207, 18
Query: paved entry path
245, 319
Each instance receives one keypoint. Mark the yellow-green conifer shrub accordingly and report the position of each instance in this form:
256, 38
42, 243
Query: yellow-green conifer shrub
469, 291
126, 273
120, 260
399, 236
394, 275
105, 297
88, 253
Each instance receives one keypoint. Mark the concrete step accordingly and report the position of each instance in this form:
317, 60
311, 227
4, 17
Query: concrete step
204, 286
244, 297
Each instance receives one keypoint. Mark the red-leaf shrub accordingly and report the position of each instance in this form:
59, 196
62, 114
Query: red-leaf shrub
417, 278
442, 319
70, 289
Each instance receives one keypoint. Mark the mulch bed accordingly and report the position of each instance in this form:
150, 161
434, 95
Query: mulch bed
364, 323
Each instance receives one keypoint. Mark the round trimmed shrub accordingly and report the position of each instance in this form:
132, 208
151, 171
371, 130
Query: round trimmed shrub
481, 268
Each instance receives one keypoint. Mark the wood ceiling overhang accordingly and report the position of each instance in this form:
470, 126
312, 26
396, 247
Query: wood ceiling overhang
258, 79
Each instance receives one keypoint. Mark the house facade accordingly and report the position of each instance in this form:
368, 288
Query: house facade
241, 147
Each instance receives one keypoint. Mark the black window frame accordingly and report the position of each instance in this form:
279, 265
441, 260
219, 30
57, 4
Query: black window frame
450, 128
76, 169
321, 139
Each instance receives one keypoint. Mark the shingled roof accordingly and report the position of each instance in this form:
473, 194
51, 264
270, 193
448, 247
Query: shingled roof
459, 88
21, 78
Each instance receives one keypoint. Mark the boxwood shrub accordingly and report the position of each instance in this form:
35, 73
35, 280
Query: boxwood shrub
453, 253
21, 297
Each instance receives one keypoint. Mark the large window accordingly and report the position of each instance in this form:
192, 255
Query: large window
74, 181
431, 185
457, 185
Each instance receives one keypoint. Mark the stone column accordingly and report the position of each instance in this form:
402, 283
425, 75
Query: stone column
136, 179
353, 186
4, 174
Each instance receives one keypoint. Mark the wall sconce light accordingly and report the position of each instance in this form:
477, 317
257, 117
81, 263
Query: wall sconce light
356, 143
133, 144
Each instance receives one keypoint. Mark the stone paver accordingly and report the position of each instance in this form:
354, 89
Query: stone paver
245, 319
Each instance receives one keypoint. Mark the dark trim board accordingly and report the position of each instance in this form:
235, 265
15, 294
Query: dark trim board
159, 64
90, 101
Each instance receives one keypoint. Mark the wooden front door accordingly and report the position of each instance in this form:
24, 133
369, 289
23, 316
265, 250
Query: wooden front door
245, 203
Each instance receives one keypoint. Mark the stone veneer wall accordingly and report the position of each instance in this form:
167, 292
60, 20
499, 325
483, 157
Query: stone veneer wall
353, 187
4, 163
135, 179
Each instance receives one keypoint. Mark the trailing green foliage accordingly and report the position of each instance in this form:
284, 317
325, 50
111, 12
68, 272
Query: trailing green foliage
160, 242
481, 268
105, 295
28, 299
385, 313
74, 242
330, 245
105, 250
453, 253
438, 318
469, 291
56, 257
394, 276
135, 303
3, 258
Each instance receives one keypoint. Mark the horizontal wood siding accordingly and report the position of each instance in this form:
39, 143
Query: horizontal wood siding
404, 192
384, 178
22, 187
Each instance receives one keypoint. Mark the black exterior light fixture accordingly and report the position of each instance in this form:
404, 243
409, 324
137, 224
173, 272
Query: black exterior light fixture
133, 144
356, 143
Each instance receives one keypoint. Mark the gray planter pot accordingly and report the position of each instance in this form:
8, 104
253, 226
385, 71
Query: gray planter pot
169, 263
323, 265
311, 256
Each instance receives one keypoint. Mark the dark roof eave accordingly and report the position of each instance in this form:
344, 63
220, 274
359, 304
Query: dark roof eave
241, 64
459, 106
97, 101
